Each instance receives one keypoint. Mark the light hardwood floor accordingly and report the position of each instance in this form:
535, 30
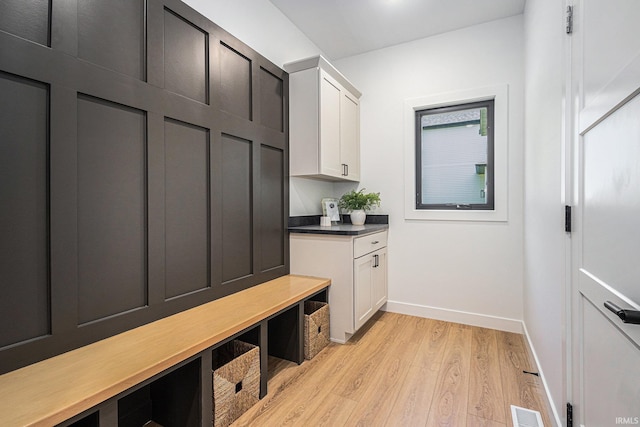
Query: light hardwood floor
405, 371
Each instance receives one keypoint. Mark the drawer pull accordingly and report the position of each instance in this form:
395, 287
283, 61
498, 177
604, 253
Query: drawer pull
375, 242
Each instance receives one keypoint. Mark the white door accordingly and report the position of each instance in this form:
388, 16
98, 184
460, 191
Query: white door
606, 240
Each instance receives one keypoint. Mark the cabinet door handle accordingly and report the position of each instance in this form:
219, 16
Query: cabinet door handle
344, 170
376, 261
347, 170
375, 242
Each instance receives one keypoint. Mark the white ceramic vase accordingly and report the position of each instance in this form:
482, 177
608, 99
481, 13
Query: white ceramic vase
358, 217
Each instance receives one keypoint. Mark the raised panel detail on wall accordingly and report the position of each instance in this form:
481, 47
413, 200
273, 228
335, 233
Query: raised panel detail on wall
272, 189
237, 208
112, 34
235, 79
112, 215
271, 101
186, 208
186, 58
24, 246
26, 19
144, 173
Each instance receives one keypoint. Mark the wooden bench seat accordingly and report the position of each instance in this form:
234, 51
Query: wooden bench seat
57, 389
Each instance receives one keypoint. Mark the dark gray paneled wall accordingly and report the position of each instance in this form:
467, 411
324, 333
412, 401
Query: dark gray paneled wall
187, 213
111, 208
24, 245
143, 169
237, 200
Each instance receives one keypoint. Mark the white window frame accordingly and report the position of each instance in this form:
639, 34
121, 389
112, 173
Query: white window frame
500, 95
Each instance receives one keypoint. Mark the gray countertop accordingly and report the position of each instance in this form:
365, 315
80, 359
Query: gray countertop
340, 230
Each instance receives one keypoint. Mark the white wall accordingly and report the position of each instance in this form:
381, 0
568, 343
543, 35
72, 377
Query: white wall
464, 271
545, 250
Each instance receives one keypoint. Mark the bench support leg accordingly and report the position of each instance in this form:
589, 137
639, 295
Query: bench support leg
264, 357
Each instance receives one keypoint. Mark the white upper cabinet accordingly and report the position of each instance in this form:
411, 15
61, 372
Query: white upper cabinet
324, 122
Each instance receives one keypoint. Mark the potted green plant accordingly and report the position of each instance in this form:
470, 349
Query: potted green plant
358, 203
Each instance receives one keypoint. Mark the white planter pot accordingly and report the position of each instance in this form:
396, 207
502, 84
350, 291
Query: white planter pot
358, 217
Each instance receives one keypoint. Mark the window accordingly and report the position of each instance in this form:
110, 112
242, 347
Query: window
454, 157
496, 173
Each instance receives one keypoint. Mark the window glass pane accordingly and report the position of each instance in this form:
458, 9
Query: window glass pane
454, 154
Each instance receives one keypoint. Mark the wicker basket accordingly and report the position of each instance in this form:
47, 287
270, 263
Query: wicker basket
316, 327
236, 381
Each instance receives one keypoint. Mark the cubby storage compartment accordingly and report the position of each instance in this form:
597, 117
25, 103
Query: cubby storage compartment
171, 400
284, 335
316, 327
91, 420
236, 380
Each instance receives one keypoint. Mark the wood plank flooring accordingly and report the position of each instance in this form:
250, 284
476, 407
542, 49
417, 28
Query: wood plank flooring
405, 371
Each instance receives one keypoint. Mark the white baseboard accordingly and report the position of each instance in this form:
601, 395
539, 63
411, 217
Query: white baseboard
551, 406
473, 319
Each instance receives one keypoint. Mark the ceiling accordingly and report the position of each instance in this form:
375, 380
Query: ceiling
342, 28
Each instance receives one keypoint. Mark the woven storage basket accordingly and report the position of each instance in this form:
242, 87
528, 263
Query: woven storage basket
316, 327
236, 381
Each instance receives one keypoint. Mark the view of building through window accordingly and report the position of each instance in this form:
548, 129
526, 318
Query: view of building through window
454, 157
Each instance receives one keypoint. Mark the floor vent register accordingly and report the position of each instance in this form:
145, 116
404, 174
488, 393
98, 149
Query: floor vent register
523, 417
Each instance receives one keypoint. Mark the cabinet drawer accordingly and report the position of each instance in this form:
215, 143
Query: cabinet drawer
369, 243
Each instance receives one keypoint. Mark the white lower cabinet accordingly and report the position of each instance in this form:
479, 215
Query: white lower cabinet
357, 267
